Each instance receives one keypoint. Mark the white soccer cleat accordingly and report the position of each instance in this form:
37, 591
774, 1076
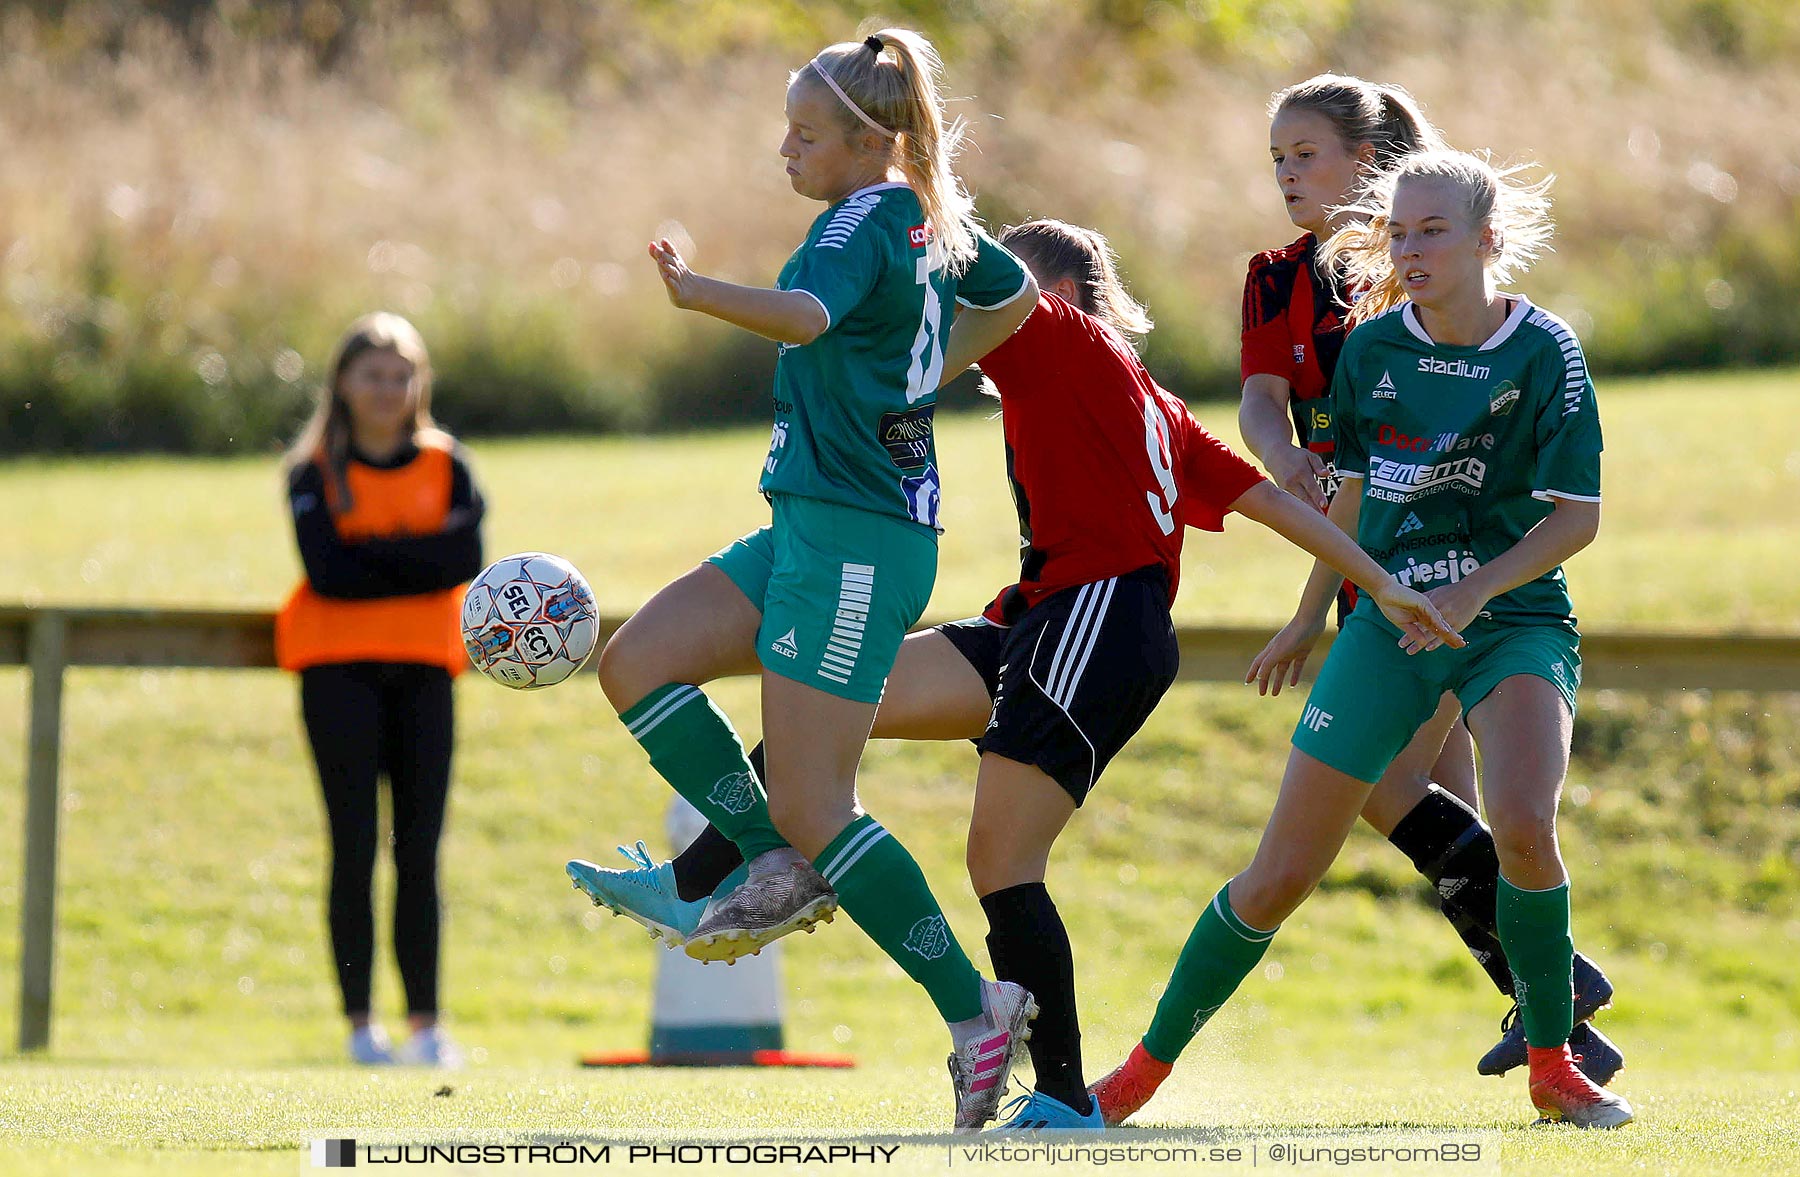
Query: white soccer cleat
980, 1067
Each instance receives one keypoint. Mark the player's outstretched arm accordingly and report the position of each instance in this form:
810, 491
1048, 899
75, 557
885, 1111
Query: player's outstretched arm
786, 316
1571, 526
1423, 627
976, 332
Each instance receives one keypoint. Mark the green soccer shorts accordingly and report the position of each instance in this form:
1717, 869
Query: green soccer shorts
1372, 695
838, 588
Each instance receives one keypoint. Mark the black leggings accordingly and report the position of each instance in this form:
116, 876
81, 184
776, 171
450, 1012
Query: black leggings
365, 719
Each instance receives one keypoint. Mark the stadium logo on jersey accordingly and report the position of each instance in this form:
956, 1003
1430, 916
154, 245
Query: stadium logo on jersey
1461, 368
1447, 442
1402, 482
919, 236
907, 436
1453, 567
1505, 397
735, 793
930, 937
1384, 389
786, 646
1412, 522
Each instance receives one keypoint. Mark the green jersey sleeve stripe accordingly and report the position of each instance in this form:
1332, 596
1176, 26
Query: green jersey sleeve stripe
1574, 366
994, 306
846, 219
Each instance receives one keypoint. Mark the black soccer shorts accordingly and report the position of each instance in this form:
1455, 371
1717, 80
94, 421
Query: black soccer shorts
1076, 676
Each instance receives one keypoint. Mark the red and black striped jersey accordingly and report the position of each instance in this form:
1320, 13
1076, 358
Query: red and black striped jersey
1107, 468
1293, 327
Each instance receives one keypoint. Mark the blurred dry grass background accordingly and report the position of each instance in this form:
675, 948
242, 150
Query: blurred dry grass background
196, 195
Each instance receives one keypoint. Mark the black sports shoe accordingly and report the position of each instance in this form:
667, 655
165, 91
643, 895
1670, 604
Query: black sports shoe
1596, 1055
1593, 993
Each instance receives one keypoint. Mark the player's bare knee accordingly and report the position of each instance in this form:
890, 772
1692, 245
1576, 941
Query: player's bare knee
992, 864
807, 826
1524, 834
620, 668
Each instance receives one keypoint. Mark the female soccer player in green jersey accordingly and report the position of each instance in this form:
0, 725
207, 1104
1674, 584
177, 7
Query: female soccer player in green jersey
1469, 445
1327, 136
819, 600
1051, 680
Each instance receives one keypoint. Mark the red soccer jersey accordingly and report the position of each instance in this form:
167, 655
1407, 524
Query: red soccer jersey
1293, 327
1106, 467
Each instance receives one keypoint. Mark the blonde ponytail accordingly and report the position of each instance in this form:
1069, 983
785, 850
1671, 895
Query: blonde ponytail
893, 79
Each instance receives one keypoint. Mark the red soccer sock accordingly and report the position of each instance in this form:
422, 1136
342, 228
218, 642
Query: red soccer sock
1144, 1067
1549, 1059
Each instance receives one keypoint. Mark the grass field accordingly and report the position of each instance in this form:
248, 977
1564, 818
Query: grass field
195, 1027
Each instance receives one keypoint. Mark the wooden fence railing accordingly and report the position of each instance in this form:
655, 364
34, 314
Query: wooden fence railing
50, 640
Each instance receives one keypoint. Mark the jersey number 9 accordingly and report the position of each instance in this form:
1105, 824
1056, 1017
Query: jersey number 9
1156, 441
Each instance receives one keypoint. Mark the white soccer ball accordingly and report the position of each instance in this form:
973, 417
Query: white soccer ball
529, 620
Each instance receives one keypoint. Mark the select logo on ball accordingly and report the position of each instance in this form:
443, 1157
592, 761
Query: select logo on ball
529, 620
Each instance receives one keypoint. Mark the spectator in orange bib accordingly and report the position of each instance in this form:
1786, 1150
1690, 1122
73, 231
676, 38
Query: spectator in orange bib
388, 522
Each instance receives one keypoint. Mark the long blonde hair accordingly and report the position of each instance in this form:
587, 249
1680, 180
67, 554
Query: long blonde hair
1517, 211
900, 86
325, 438
1056, 249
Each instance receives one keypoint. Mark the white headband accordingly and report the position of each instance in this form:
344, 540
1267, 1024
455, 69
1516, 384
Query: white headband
854, 109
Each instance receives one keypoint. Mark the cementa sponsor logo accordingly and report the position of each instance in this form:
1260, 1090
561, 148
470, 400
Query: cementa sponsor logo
1402, 482
1461, 368
1452, 567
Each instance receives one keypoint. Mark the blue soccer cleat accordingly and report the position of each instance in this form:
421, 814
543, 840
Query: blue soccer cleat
646, 894
1037, 1112
1597, 1058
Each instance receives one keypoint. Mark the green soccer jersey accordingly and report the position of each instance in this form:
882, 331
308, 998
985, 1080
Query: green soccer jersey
853, 408
1462, 449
